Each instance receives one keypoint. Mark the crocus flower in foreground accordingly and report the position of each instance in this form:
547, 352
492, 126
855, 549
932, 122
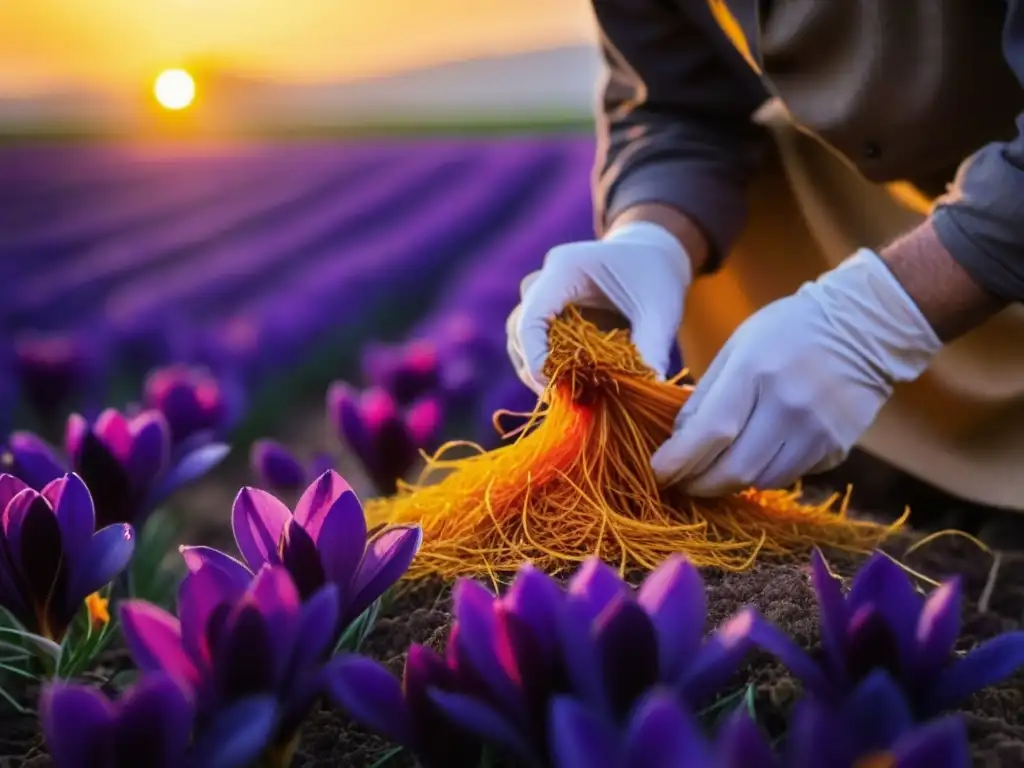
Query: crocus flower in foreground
51, 556
126, 462
230, 646
386, 439
659, 731
149, 725
191, 400
509, 657
324, 541
276, 467
873, 727
884, 623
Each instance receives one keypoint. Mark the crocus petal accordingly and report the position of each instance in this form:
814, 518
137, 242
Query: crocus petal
41, 555
938, 627
720, 656
598, 584
877, 712
662, 735
74, 434
318, 625
423, 420
189, 467
941, 743
478, 642
35, 461
740, 744
988, 664
884, 585
628, 647
484, 721
341, 540
237, 736
77, 722
299, 556
276, 466
387, 558
536, 599
771, 639
200, 593
106, 556
258, 520
344, 413
245, 658
153, 638
154, 724
579, 651
112, 429
371, 696
581, 738
832, 612
150, 449
673, 596
232, 570
277, 599
816, 737
318, 500
10, 486
13, 519
76, 516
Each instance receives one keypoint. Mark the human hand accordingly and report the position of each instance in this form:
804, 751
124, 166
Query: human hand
639, 270
799, 382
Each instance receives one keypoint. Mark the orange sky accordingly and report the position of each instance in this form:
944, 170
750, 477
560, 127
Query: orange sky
120, 43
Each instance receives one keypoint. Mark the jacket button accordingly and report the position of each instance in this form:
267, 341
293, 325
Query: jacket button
872, 151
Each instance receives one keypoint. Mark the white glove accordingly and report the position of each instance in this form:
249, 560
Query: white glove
639, 270
799, 382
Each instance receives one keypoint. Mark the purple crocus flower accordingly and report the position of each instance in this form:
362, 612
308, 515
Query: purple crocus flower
276, 467
51, 556
150, 725
658, 732
874, 727
191, 399
231, 644
323, 541
386, 439
126, 462
54, 372
884, 623
509, 657
408, 372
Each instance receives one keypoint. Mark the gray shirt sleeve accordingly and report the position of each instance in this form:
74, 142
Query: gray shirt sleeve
980, 220
675, 124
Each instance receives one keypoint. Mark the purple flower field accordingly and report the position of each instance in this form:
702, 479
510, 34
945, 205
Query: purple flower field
248, 258
166, 315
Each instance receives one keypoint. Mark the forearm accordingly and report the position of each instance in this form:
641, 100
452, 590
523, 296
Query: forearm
951, 301
685, 229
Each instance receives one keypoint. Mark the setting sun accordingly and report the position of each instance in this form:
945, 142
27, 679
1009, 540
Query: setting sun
175, 89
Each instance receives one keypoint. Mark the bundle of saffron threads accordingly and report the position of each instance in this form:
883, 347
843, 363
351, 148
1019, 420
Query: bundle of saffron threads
577, 482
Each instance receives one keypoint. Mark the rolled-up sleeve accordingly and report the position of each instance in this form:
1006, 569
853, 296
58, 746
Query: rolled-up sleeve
980, 220
675, 123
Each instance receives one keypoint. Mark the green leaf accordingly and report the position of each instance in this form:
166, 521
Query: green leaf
15, 705
155, 569
387, 757
43, 645
713, 715
356, 633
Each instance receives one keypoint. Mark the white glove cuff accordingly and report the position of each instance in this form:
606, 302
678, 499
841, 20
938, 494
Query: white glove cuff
651, 235
867, 304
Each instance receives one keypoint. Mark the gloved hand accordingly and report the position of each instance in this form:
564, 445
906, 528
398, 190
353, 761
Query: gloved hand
799, 382
639, 270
